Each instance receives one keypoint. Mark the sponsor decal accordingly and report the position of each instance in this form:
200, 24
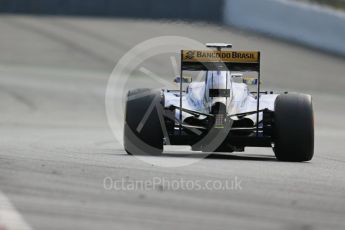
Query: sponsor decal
189, 55
220, 56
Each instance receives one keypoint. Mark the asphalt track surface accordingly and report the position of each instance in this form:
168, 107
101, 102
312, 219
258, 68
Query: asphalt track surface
56, 147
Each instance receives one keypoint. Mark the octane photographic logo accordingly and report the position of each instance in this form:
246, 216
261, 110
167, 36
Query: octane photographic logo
116, 97
168, 184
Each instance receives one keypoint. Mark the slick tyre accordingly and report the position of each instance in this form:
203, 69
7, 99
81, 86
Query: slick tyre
142, 127
293, 131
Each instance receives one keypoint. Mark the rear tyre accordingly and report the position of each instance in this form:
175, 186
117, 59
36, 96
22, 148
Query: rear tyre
143, 132
293, 134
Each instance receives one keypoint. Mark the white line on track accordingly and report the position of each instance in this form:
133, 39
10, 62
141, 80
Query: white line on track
10, 218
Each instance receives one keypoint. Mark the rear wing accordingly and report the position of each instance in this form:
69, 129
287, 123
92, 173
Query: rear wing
203, 60
218, 60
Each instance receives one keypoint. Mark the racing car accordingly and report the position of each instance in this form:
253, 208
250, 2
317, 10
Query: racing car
219, 113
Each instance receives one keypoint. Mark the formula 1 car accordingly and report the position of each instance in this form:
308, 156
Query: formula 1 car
220, 114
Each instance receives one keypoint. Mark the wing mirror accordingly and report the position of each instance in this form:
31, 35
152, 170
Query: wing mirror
250, 80
185, 79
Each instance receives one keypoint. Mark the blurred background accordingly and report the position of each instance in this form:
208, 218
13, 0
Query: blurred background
298, 20
56, 146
